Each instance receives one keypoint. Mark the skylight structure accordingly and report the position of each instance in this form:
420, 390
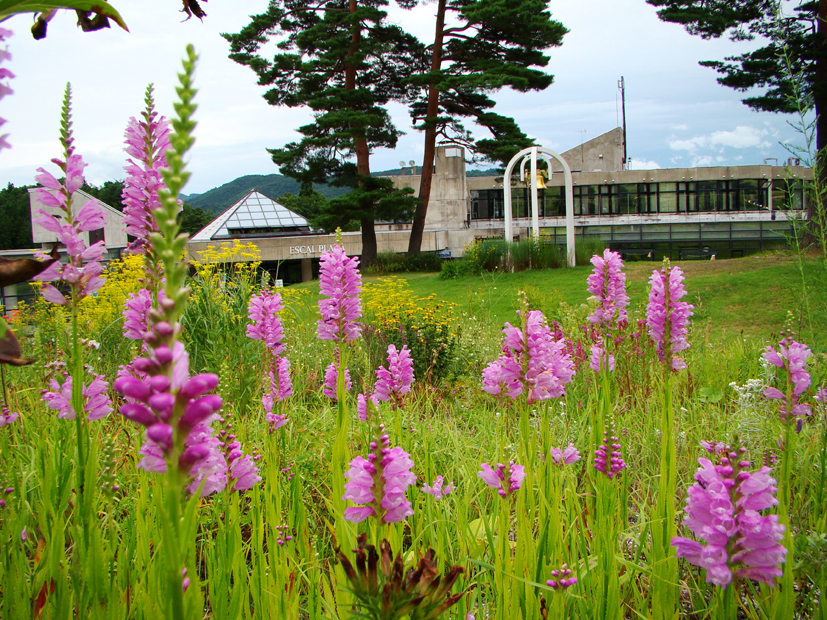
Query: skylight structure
255, 215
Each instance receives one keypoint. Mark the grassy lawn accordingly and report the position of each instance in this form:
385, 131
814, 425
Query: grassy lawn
755, 296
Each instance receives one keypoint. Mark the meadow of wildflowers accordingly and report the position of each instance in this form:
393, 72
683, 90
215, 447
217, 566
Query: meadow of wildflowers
192, 442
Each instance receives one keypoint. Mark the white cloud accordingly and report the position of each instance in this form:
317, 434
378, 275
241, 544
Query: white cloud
643, 164
705, 160
691, 145
741, 138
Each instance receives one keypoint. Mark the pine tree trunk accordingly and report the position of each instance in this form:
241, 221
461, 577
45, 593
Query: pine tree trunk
426, 179
359, 140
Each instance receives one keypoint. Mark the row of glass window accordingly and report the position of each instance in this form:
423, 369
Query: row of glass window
642, 198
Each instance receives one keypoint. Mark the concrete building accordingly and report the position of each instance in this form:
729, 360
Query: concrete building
112, 233
685, 211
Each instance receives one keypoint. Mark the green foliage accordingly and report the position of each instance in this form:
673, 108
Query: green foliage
791, 42
492, 255
371, 198
310, 204
15, 218
13, 7
393, 262
109, 193
192, 219
486, 45
345, 63
584, 249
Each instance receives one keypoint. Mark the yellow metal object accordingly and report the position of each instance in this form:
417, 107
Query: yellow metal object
542, 175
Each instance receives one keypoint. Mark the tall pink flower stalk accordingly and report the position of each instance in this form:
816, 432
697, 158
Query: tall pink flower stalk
263, 310
341, 282
532, 361
792, 357
393, 382
379, 483
147, 141
608, 283
83, 270
723, 509
667, 317
176, 409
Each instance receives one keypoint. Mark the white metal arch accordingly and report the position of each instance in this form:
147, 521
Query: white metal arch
531, 154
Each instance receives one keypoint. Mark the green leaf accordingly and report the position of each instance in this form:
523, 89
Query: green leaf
13, 7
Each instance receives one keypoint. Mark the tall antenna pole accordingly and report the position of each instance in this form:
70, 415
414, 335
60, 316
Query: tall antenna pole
621, 84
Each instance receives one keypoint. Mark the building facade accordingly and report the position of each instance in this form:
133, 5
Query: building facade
728, 210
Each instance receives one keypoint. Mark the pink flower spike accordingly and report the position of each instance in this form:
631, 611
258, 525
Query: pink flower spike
600, 360
532, 361
723, 510
331, 379
505, 479
565, 457
437, 490
275, 421
667, 317
792, 358
146, 143
341, 282
385, 469
393, 382
608, 284
7, 417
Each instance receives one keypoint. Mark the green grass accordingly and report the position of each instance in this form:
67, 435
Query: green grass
449, 427
753, 296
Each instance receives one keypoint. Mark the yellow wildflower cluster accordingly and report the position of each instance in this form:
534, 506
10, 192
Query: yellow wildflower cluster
231, 265
231, 252
389, 302
123, 276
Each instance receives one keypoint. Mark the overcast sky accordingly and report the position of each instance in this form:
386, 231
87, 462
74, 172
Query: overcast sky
677, 114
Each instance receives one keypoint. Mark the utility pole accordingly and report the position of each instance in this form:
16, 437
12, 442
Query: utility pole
621, 84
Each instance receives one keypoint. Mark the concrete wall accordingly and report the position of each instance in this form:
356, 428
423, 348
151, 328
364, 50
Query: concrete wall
603, 153
113, 230
312, 246
449, 202
664, 175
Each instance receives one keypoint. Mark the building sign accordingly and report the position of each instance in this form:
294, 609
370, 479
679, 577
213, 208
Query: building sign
308, 249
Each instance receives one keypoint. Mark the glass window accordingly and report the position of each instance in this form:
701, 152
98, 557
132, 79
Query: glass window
668, 202
627, 199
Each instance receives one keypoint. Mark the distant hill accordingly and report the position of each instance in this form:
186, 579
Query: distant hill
491, 172
271, 185
275, 186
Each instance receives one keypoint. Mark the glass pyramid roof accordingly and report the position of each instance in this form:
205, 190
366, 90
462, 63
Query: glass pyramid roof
254, 212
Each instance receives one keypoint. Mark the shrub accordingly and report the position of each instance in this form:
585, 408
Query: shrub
393, 262
427, 326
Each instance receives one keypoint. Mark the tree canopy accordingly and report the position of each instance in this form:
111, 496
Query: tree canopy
485, 46
790, 68
344, 62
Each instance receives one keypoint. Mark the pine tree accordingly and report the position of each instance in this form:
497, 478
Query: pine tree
340, 59
489, 44
792, 65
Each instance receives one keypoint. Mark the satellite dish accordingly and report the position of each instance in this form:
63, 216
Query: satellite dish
402, 164
412, 163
